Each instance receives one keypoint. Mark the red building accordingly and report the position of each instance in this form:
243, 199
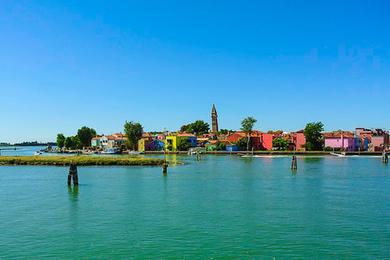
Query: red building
267, 140
297, 141
259, 140
263, 141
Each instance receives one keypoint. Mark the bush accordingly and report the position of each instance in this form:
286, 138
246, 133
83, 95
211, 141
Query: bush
183, 144
220, 146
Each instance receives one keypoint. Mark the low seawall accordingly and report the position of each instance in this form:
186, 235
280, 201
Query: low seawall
319, 153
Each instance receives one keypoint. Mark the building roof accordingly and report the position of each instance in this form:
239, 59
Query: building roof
186, 134
339, 134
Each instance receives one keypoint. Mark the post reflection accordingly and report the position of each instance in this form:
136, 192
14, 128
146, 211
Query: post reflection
73, 192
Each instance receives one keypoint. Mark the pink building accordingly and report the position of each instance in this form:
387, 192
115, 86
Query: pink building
340, 140
378, 143
377, 139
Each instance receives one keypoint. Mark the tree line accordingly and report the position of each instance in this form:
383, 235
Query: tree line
81, 140
134, 132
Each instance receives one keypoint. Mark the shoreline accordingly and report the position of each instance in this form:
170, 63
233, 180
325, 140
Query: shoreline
265, 153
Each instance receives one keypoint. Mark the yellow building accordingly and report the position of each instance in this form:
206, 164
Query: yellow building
141, 145
171, 141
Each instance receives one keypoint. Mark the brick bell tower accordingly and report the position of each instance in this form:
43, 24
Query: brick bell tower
214, 120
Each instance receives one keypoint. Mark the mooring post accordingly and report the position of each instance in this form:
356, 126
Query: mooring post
294, 165
73, 175
165, 168
69, 179
385, 157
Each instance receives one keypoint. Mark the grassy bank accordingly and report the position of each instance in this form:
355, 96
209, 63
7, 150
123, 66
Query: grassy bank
78, 160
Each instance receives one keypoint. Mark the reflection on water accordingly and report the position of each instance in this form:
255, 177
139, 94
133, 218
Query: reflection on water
171, 158
294, 172
311, 160
73, 192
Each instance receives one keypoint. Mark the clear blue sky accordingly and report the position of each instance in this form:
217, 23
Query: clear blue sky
65, 64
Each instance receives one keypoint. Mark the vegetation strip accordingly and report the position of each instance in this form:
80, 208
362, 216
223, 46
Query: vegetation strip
79, 160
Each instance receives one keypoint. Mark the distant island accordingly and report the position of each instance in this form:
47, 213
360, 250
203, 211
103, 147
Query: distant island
33, 143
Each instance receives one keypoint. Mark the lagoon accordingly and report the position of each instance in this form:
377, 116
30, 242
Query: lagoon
221, 206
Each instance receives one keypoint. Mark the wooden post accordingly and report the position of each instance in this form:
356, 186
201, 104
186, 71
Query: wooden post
197, 155
73, 175
385, 157
69, 179
294, 164
75, 178
165, 168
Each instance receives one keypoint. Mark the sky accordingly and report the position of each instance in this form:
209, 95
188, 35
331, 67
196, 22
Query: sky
69, 63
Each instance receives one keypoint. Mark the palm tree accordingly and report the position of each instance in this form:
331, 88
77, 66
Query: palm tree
247, 126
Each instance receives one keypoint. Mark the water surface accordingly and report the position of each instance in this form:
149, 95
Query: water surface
219, 207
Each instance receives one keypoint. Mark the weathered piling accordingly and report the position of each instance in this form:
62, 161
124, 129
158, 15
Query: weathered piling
294, 164
198, 156
165, 168
73, 175
385, 157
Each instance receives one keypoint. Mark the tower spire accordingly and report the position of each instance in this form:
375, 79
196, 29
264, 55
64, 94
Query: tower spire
214, 120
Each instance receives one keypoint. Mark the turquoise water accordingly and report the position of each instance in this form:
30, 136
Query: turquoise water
220, 207
20, 150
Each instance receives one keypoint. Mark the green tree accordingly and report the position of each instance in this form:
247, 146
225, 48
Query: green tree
225, 131
280, 144
314, 138
76, 142
198, 127
247, 126
72, 142
242, 144
134, 132
60, 141
220, 146
68, 143
183, 144
85, 135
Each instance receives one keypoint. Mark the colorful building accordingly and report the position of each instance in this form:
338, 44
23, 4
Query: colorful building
231, 148
150, 142
95, 142
296, 140
108, 141
150, 145
267, 141
372, 139
172, 141
259, 140
340, 140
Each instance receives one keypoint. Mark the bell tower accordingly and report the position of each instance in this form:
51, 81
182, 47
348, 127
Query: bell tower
214, 120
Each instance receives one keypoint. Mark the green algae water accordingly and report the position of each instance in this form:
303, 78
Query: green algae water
219, 207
